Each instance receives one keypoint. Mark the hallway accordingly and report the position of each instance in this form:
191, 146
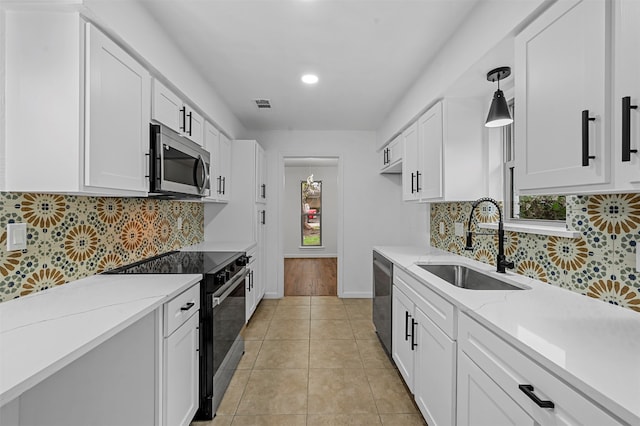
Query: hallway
315, 361
311, 276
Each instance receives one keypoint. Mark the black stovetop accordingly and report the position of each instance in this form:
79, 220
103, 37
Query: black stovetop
181, 262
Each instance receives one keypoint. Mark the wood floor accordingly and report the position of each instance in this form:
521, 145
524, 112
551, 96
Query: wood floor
311, 277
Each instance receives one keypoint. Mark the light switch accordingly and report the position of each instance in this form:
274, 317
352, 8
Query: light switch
637, 256
459, 229
441, 228
179, 223
16, 236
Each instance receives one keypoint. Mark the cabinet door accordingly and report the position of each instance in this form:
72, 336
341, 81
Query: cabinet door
402, 325
561, 71
435, 372
224, 168
483, 403
194, 126
430, 143
212, 144
181, 374
261, 172
411, 164
166, 107
117, 116
627, 81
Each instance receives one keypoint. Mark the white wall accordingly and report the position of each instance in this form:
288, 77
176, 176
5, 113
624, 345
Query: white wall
292, 210
387, 220
134, 27
487, 25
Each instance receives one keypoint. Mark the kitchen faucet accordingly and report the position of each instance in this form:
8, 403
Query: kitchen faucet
501, 260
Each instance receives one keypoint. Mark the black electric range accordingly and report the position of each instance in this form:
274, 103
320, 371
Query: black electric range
222, 313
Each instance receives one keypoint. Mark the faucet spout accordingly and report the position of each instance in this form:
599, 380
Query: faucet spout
501, 260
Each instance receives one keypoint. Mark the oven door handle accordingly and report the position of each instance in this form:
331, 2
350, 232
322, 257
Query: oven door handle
229, 288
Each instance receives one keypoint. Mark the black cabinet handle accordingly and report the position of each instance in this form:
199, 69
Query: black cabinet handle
414, 343
190, 122
412, 177
528, 390
219, 179
263, 213
224, 185
183, 110
406, 326
418, 180
264, 190
585, 138
187, 306
626, 128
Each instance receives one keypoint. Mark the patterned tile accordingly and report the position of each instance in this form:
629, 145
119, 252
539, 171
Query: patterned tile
71, 237
600, 264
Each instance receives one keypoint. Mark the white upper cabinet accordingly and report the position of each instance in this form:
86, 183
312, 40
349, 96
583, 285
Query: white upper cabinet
168, 109
391, 156
443, 153
562, 111
219, 147
117, 116
626, 102
410, 164
223, 180
261, 175
77, 109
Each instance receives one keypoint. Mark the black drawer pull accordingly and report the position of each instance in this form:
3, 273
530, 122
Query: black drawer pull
412, 177
414, 343
528, 390
406, 326
626, 128
585, 138
187, 306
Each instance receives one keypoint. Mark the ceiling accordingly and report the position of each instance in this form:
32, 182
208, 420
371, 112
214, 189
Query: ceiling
310, 161
367, 53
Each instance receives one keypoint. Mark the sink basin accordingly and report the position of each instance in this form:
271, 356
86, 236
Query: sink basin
468, 278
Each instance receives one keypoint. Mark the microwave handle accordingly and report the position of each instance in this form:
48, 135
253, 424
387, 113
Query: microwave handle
205, 175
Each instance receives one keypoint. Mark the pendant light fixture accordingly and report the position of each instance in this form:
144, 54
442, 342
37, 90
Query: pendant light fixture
499, 112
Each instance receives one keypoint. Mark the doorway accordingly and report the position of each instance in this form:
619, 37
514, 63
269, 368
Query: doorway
311, 216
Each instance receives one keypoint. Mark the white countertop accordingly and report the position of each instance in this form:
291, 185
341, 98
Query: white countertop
45, 331
592, 345
221, 246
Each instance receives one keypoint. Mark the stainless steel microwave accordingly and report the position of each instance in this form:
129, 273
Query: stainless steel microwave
179, 167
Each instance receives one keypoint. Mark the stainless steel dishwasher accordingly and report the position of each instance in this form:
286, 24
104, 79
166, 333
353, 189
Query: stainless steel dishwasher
382, 283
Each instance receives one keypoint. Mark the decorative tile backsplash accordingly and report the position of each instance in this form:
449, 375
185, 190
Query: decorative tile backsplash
600, 264
71, 237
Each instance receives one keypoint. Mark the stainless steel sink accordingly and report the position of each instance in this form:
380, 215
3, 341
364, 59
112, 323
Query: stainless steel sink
468, 278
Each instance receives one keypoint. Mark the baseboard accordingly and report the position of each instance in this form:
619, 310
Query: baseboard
309, 255
357, 295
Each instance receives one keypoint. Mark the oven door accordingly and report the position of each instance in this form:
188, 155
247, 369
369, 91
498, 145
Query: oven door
228, 318
179, 166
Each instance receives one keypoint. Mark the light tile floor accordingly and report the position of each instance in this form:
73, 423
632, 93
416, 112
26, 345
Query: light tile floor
315, 361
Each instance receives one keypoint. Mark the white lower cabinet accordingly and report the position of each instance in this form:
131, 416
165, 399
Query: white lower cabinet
497, 382
424, 353
435, 369
181, 358
251, 295
481, 402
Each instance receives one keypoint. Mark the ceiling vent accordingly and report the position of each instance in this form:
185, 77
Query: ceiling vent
263, 103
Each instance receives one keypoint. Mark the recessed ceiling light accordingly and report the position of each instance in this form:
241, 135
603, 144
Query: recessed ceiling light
309, 78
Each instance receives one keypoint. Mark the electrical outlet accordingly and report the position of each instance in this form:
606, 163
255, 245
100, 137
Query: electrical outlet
442, 228
179, 223
459, 229
16, 236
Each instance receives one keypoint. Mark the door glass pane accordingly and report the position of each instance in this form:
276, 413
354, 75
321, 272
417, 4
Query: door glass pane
311, 214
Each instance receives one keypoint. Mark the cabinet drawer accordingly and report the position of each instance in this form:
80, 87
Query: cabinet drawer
180, 309
509, 368
437, 309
